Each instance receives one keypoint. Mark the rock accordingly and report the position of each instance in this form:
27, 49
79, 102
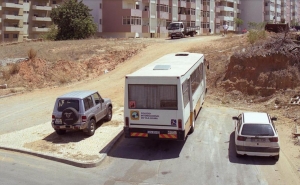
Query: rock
4, 86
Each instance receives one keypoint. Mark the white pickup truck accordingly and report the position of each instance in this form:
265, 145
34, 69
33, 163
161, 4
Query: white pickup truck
179, 29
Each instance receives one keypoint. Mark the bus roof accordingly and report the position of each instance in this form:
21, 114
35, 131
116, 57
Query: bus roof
170, 65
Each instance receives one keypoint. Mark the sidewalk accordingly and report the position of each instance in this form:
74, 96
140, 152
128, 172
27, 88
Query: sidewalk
73, 148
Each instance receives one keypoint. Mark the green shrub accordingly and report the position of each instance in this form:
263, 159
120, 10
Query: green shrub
51, 34
256, 32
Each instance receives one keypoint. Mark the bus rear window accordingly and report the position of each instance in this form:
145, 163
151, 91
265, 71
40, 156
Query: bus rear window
152, 97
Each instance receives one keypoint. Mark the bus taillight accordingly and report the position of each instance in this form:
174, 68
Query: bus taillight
180, 123
127, 122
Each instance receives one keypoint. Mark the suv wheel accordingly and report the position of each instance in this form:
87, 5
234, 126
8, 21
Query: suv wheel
69, 116
60, 132
109, 114
91, 128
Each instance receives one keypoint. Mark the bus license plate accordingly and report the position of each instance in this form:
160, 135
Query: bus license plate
152, 132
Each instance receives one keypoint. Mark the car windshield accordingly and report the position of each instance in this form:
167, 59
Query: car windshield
173, 26
257, 130
63, 104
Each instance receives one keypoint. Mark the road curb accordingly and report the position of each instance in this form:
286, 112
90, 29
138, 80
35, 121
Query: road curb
103, 154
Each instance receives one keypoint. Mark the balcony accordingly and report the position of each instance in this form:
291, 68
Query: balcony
163, 15
165, 2
132, 12
182, 4
36, 7
0, 8
12, 17
190, 5
226, 18
12, 5
226, 8
217, 20
12, 28
46, 19
278, 9
191, 17
39, 29
182, 17
218, 10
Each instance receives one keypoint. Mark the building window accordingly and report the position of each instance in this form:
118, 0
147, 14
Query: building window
204, 25
15, 36
53, 2
25, 23
132, 20
100, 6
162, 8
6, 36
100, 21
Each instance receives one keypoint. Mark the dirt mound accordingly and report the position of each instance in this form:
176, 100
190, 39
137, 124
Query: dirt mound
261, 75
64, 62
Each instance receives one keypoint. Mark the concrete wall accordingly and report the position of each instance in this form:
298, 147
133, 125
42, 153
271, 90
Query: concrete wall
251, 11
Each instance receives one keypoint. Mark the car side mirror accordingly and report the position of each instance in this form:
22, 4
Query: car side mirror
274, 119
235, 118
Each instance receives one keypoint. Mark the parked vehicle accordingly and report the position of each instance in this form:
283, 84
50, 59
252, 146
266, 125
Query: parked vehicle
255, 135
80, 110
163, 98
276, 28
179, 29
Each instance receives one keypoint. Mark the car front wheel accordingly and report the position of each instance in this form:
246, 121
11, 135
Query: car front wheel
109, 114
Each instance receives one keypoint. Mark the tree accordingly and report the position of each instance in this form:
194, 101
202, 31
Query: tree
238, 22
73, 21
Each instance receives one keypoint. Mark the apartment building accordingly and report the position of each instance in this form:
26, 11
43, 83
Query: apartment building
149, 18
24, 19
271, 11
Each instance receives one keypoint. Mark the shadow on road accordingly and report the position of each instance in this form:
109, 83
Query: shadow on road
250, 160
71, 136
146, 149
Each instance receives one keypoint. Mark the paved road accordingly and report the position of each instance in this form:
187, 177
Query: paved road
206, 157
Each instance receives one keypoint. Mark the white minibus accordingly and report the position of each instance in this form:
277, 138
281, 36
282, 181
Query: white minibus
163, 98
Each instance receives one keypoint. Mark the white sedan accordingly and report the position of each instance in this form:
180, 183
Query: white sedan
255, 135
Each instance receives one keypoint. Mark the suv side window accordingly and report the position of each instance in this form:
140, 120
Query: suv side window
88, 103
97, 98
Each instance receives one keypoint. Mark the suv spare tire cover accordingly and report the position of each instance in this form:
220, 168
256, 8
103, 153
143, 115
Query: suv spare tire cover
69, 116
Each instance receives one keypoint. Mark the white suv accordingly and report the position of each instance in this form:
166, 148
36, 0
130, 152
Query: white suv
80, 110
255, 135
